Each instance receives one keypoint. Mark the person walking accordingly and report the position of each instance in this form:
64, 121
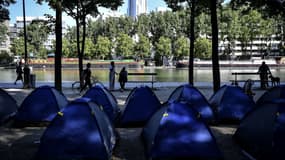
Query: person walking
264, 71
19, 72
123, 78
112, 73
87, 77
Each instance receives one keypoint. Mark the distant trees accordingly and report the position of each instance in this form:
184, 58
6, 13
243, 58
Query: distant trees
203, 48
37, 33
241, 25
103, 48
233, 27
163, 48
3, 32
124, 45
142, 47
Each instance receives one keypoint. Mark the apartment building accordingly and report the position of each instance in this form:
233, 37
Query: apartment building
15, 29
259, 47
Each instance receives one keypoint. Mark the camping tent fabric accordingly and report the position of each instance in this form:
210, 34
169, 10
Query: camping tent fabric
41, 105
80, 131
261, 132
8, 106
177, 131
141, 104
193, 96
276, 93
106, 99
231, 104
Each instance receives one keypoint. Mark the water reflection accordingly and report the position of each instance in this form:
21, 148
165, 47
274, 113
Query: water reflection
164, 74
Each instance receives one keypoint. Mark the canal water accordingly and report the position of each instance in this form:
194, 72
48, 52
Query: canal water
203, 74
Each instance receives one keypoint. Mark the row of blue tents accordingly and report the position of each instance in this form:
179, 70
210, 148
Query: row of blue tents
175, 129
228, 104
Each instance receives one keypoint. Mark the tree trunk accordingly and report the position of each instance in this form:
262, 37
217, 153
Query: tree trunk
83, 37
192, 40
215, 42
80, 55
57, 62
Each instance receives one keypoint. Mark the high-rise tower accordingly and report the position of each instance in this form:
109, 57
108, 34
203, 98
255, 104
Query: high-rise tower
136, 7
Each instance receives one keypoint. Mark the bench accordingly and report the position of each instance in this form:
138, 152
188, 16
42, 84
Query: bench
235, 81
152, 81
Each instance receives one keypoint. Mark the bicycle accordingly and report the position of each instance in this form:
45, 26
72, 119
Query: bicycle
76, 84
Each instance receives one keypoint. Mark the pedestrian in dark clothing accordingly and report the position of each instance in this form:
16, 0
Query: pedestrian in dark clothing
87, 77
123, 78
264, 71
19, 72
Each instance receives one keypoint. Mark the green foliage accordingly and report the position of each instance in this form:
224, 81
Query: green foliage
142, 47
3, 32
203, 26
124, 45
158, 26
143, 24
163, 46
69, 48
181, 47
5, 58
37, 33
103, 47
17, 47
89, 49
233, 26
203, 48
4, 12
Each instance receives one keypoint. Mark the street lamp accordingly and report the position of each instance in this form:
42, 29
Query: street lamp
26, 67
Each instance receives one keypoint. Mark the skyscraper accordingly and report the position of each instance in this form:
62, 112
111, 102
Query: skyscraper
136, 7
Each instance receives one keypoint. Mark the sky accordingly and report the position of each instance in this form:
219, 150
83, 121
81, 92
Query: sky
33, 9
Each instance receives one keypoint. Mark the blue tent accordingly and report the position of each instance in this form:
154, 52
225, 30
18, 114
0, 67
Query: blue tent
80, 131
193, 96
231, 104
177, 131
261, 132
106, 99
41, 105
276, 93
8, 106
141, 104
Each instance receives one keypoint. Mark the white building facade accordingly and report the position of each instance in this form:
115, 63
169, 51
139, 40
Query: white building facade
136, 7
15, 29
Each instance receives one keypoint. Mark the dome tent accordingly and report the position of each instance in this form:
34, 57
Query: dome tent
80, 131
193, 96
8, 106
261, 132
177, 131
231, 104
276, 93
141, 104
106, 99
41, 105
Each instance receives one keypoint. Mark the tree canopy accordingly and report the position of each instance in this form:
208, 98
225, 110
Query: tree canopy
4, 12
